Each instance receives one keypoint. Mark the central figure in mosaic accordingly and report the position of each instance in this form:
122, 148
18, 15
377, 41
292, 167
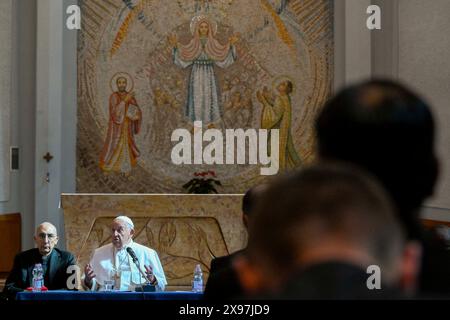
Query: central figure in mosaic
203, 52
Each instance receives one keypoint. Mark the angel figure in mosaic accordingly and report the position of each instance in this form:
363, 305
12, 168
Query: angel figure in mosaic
202, 54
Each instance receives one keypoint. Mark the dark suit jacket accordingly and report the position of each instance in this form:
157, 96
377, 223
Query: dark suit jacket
334, 280
20, 276
435, 274
223, 282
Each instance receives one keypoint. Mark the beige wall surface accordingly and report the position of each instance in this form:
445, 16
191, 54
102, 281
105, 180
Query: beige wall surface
424, 47
5, 93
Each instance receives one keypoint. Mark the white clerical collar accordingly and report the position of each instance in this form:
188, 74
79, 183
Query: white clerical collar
124, 248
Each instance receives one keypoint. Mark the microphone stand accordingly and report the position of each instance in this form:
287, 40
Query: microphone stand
147, 287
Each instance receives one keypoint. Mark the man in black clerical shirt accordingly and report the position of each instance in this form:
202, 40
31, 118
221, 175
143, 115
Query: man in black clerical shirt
223, 282
54, 263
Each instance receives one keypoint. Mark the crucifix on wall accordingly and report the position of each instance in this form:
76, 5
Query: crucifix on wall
48, 157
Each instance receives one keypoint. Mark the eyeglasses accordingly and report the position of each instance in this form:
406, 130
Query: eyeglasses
44, 235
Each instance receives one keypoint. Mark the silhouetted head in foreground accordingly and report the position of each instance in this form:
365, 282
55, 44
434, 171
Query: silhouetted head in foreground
249, 202
326, 213
388, 130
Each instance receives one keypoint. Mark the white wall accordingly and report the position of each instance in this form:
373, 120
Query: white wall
26, 101
413, 46
352, 42
56, 111
7, 119
385, 41
361, 54
42, 111
19, 99
424, 53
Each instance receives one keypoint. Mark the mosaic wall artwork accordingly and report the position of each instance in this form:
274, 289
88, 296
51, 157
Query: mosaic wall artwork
148, 67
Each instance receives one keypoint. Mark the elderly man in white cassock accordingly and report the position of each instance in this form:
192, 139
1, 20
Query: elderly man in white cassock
113, 262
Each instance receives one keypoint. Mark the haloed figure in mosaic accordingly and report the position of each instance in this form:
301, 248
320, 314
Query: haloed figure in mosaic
120, 151
203, 52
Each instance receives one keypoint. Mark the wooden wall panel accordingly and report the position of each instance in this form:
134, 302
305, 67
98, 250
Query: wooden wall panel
433, 223
10, 240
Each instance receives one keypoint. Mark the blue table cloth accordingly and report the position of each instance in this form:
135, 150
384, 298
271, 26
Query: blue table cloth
114, 295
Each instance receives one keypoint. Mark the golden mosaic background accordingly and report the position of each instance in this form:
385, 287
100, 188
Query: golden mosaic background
278, 38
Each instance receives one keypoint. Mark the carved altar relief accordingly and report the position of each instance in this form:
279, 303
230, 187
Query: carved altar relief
185, 230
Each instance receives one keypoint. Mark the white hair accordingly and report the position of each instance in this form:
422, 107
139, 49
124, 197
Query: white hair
126, 220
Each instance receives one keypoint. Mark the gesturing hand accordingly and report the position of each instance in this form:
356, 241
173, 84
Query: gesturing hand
149, 272
89, 275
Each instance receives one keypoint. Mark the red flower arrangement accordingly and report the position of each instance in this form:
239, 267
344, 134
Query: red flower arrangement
43, 289
203, 185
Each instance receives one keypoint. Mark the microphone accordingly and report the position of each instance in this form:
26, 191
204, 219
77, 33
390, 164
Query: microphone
144, 287
133, 255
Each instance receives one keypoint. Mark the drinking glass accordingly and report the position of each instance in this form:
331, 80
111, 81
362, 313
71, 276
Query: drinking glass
109, 285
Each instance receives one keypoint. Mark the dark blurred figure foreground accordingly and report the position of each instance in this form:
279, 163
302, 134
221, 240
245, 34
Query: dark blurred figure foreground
388, 130
316, 232
223, 282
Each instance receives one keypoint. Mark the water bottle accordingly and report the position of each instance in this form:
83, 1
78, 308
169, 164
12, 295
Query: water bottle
197, 283
38, 277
